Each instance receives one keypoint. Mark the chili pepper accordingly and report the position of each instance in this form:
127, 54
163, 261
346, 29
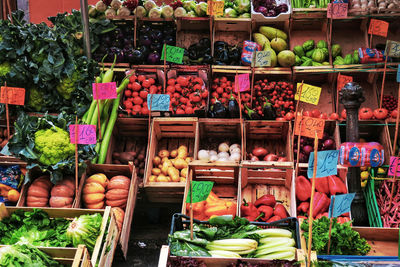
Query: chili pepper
267, 200
212, 198
303, 207
198, 207
247, 208
336, 186
280, 211
274, 218
303, 188
322, 185
321, 203
265, 212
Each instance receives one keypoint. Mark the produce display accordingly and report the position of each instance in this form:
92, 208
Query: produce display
10, 183
310, 3
264, 209
311, 53
237, 9
348, 59
270, 8
307, 146
25, 255
225, 153
259, 153
199, 53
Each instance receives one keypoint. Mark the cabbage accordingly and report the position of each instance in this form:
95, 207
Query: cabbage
141, 12
230, 13
201, 9
242, 6
167, 12
180, 12
191, 14
245, 16
189, 5
155, 13
148, 5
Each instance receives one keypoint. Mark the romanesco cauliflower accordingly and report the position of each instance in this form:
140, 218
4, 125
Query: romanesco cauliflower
5, 68
67, 85
35, 99
53, 145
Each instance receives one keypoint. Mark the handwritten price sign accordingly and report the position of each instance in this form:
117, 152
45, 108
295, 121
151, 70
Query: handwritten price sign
201, 190
337, 10
86, 134
378, 27
326, 165
398, 74
217, 8
341, 204
262, 59
14, 96
174, 54
308, 126
244, 82
393, 162
104, 90
342, 80
393, 48
158, 102
309, 94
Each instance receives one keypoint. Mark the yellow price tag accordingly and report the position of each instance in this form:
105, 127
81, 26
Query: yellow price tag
309, 94
262, 59
217, 8
392, 48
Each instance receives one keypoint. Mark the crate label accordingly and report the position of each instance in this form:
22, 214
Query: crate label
309, 94
340, 204
159, 102
14, 96
392, 48
309, 126
217, 8
342, 80
337, 10
398, 74
392, 169
378, 27
104, 90
262, 59
326, 165
86, 134
243, 80
174, 54
201, 190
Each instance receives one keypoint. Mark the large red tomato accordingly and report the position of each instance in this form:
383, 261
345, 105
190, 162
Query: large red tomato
289, 116
334, 116
381, 113
323, 116
315, 113
365, 114
307, 113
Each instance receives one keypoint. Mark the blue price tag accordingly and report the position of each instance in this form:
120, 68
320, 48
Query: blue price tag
327, 163
341, 204
398, 73
158, 102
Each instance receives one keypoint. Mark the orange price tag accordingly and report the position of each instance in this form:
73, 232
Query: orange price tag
378, 27
217, 8
15, 95
308, 126
342, 80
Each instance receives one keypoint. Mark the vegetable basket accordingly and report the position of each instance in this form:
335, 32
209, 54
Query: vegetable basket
372, 206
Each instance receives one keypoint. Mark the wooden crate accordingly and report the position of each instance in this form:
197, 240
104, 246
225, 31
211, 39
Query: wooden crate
190, 30
391, 87
383, 241
21, 187
111, 171
169, 133
103, 252
232, 31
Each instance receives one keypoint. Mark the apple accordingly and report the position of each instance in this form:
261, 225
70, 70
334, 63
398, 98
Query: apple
381, 113
271, 157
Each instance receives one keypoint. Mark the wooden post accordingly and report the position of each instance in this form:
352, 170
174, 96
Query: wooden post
296, 172
330, 225
240, 113
297, 107
151, 103
76, 156
191, 204
7, 111
165, 68
384, 77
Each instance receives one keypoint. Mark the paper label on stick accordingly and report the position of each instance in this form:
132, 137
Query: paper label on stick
309, 94
392, 169
378, 27
201, 190
217, 8
243, 80
159, 102
15, 95
104, 90
326, 165
308, 126
262, 59
174, 54
392, 48
398, 74
86, 134
337, 10
341, 204
342, 80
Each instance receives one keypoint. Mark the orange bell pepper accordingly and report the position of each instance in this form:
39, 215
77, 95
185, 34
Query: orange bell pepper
212, 197
225, 208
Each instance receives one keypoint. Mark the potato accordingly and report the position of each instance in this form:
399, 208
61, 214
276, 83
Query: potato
184, 172
188, 159
174, 153
165, 166
152, 178
163, 153
159, 166
156, 171
174, 174
182, 179
156, 160
182, 152
180, 164
162, 178
164, 159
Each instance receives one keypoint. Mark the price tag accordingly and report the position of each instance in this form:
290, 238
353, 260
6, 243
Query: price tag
262, 59
174, 54
337, 10
309, 94
15, 95
158, 103
104, 90
398, 74
309, 126
326, 165
393, 162
244, 82
86, 134
393, 48
201, 190
341, 204
217, 8
378, 27
342, 80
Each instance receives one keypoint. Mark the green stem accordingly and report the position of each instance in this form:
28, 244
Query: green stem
89, 112
95, 116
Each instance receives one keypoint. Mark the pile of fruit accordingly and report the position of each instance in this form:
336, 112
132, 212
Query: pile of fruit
259, 153
389, 102
265, 209
307, 146
309, 54
348, 59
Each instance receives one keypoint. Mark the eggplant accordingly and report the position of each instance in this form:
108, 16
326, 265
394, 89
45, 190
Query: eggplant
233, 107
169, 40
268, 111
223, 57
219, 109
251, 114
136, 57
145, 50
234, 55
193, 55
128, 42
156, 35
156, 46
205, 42
144, 40
169, 31
207, 59
220, 44
153, 58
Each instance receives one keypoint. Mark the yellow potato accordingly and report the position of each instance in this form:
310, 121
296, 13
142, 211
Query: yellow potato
152, 178
174, 153
163, 153
156, 160
155, 171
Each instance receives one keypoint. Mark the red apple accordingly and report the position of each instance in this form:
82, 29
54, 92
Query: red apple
381, 113
271, 157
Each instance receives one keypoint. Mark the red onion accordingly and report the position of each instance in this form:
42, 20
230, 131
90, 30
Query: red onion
307, 150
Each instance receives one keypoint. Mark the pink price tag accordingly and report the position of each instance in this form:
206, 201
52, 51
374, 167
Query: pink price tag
86, 134
337, 10
104, 90
393, 162
244, 82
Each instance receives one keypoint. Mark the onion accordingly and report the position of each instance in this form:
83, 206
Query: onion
213, 158
235, 157
223, 147
233, 146
223, 155
329, 144
222, 159
212, 152
203, 155
307, 150
235, 150
254, 158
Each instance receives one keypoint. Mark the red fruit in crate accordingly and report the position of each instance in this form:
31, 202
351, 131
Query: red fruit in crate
393, 114
334, 116
271, 157
365, 114
323, 116
343, 114
289, 116
282, 159
280, 119
315, 113
307, 113
381, 113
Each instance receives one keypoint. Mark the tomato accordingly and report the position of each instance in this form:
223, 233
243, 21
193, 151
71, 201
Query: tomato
152, 81
171, 82
188, 110
225, 95
128, 104
179, 111
220, 90
334, 116
223, 79
136, 86
132, 78
128, 92
183, 100
323, 116
365, 114
393, 114
197, 87
143, 94
381, 113
144, 110
135, 94
198, 80
204, 94
137, 101
196, 99
153, 89
146, 83
315, 113
183, 81
170, 89
177, 95
178, 88
136, 108
307, 113
343, 114
289, 116
141, 78
280, 119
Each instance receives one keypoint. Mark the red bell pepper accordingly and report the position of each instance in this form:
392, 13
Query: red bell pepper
321, 203
274, 218
319, 216
303, 207
265, 212
266, 200
247, 208
303, 188
280, 211
336, 186
322, 185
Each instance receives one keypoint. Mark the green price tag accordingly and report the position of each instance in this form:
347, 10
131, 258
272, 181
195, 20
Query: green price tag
174, 54
201, 190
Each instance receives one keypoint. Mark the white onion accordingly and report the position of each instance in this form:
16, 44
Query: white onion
223, 155
212, 152
235, 157
233, 146
213, 158
223, 147
356, 6
222, 159
235, 150
203, 155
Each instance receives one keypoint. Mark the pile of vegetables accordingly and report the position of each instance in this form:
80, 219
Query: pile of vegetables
129, 149
310, 3
233, 238
225, 153
344, 240
44, 142
177, 9
363, 7
385, 4
270, 8
189, 8
348, 59
237, 9
198, 53
260, 153
311, 54
225, 54
388, 210
170, 166
113, 8
265, 209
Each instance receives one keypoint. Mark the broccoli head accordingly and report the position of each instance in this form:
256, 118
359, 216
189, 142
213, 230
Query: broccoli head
53, 145
68, 85
35, 99
5, 68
